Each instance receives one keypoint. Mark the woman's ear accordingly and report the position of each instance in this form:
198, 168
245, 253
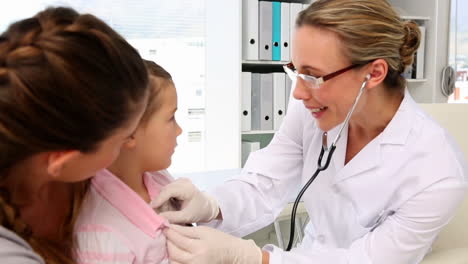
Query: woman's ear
57, 161
378, 71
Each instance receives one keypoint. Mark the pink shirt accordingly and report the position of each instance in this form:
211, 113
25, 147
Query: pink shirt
116, 225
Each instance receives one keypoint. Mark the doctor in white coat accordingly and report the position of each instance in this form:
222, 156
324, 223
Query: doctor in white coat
396, 177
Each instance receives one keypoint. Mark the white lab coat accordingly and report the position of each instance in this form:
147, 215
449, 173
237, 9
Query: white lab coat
413, 168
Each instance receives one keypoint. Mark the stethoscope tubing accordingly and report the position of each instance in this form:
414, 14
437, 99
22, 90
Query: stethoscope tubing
323, 167
299, 196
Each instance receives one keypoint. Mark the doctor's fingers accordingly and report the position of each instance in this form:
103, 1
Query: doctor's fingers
181, 189
197, 232
177, 255
182, 238
176, 217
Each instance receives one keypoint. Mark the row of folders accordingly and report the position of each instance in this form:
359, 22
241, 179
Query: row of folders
267, 29
264, 100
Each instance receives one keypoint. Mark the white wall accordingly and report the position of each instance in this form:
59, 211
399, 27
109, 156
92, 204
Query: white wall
437, 35
223, 71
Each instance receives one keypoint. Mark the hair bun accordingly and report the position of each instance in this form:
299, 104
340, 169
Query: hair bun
410, 44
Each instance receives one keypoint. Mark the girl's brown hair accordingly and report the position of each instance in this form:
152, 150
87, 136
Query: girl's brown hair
369, 30
161, 79
67, 81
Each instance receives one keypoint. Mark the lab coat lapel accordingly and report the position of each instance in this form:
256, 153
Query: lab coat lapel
367, 159
356, 165
370, 157
340, 151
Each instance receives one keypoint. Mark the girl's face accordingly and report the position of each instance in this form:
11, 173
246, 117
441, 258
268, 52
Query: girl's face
85, 165
156, 140
318, 52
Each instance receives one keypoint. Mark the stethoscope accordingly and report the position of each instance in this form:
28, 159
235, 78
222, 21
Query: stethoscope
321, 167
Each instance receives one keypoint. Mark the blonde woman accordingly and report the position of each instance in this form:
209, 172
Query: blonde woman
396, 177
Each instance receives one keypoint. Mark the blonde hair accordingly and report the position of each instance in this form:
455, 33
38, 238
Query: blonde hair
369, 30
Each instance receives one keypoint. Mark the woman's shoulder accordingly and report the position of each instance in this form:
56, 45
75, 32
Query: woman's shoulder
424, 128
13, 249
435, 145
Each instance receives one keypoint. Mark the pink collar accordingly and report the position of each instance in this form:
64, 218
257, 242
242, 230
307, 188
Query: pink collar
129, 203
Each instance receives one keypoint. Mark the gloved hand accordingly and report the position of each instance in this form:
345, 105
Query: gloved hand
193, 205
201, 245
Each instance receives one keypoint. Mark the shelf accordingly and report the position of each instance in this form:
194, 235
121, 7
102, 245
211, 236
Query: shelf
255, 132
415, 18
263, 66
416, 80
264, 62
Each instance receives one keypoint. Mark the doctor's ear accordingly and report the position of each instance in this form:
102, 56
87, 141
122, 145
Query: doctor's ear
377, 71
57, 160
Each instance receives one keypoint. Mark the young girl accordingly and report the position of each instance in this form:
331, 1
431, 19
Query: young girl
72, 91
116, 222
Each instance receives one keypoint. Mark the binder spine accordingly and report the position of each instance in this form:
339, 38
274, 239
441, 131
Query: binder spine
276, 34
265, 30
285, 10
250, 30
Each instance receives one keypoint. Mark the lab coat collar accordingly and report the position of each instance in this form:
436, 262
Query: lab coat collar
396, 132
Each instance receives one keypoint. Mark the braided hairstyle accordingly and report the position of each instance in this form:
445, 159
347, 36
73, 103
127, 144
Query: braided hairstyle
67, 81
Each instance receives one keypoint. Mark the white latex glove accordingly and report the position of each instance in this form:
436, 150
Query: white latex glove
202, 245
193, 205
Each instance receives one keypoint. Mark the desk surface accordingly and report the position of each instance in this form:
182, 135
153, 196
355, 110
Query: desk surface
207, 180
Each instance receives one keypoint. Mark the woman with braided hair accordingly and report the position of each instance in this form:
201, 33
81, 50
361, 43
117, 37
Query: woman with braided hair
72, 92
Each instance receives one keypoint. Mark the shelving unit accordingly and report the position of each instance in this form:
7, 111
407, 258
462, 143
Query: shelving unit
435, 16
256, 132
416, 80
256, 64
247, 62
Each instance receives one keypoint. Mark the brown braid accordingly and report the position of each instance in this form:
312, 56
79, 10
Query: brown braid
67, 82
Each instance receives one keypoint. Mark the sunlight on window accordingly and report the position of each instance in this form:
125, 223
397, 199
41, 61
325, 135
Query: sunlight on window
458, 53
171, 33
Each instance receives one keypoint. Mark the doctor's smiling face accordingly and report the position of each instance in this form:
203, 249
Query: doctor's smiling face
318, 52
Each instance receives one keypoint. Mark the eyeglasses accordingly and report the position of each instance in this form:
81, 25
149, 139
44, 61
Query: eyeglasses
312, 81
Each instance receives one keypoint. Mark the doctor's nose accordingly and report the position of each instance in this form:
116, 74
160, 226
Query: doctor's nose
301, 91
